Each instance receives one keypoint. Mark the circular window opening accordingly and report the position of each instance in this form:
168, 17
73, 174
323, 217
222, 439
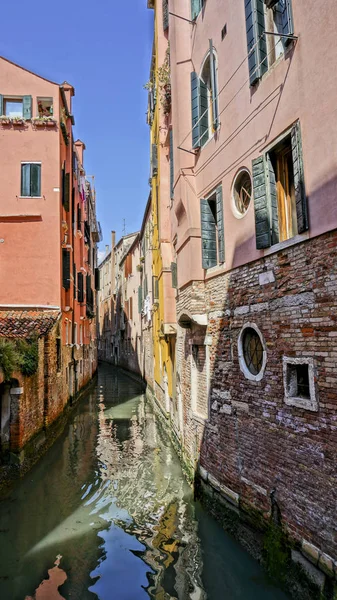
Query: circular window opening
252, 350
242, 192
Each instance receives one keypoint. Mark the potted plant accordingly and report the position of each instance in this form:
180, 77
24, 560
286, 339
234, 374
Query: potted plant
38, 121
139, 268
18, 121
50, 121
5, 120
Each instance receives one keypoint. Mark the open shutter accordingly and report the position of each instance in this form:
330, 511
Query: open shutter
35, 180
165, 15
301, 200
220, 225
171, 166
261, 204
25, 180
256, 45
203, 112
196, 6
208, 235
174, 275
27, 107
215, 110
79, 218
145, 287
287, 19
97, 279
154, 159
195, 110
66, 191
140, 299
65, 269
80, 290
74, 277
272, 192
1, 104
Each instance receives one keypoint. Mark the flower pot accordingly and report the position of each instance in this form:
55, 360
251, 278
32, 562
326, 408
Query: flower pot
50, 123
21, 122
5, 121
39, 123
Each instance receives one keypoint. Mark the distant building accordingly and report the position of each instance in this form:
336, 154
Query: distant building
48, 252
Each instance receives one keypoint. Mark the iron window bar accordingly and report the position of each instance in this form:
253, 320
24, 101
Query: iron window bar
183, 18
282, 35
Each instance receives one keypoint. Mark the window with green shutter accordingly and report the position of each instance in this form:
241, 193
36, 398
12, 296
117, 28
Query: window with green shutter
171, 166
174, 275
165, 15
196, 6
154, 160
212, 230
279, 193
66, 268
80, 287
140, 299
204, 101
256, 41
31, 180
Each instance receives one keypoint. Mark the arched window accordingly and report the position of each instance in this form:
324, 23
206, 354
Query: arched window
204, 92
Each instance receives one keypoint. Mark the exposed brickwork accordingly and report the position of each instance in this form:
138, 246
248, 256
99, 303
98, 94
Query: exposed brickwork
254, 443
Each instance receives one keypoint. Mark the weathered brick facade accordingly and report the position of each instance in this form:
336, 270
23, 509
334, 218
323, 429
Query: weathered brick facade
252, 442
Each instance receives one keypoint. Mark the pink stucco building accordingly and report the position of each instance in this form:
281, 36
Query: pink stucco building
254, 230
48, 230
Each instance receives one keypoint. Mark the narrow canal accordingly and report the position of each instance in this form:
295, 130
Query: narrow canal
107, 514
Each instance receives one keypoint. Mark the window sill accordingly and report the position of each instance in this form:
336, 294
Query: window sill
31, 197
214, 271
302, 237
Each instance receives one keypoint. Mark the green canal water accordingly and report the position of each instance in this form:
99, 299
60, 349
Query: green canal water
107, 514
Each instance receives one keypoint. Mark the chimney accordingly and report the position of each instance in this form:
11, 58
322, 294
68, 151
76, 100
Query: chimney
80, 147
106, 249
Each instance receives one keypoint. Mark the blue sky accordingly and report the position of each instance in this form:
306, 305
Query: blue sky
103, 49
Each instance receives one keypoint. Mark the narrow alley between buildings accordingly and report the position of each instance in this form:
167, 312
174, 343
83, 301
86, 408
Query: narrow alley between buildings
106, 513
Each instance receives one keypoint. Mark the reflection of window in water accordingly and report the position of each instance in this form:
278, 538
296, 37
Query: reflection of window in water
123, 432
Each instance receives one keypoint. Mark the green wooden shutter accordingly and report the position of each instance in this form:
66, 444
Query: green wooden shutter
1, 104
255, 26
208, 235
287, 19
271, 190
145, 286
261, 204
203, 112
196, 6
215, 109
140, 299
195, 110
174, 275
154, 159
97, 279
25, 180
165, 15
300, 195
65, 268
66, 191
220, 225
74, 277
27, 107
80, 287
171, 166
35, 180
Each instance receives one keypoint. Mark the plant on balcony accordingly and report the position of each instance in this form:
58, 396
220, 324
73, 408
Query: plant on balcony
5, 120
142, 259
164, 78
139, 268
18, 121
42, 121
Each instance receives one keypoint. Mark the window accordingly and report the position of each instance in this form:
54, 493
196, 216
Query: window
75, 334
196, 6
299, 383
65, 269
274, 16
242, 192
31, 180
204, 97
279, 193
13, 107
45, 107
252, 352
212, 230
58, 355
165, 15
67, 332
81, 334
199, 381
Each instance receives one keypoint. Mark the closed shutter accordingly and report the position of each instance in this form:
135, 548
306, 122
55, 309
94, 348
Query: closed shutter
154, 159
27, 107
195, 110
155, 288
97, 279
256, 45
220, 225
145, 286
287, 19
203, 112
25, 180
165, 15
171, 166
215, 110
1, 104
208, 235
196, 6
140, 298
261, 204
80, 287
66, 191
174, 275
65, 269
74, 277
79, 218
300, 195
271, 189
35, 180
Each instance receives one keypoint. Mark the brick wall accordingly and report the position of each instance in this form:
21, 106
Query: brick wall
253, 442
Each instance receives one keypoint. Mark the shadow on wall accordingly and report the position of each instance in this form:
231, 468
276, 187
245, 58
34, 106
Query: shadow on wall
268, 447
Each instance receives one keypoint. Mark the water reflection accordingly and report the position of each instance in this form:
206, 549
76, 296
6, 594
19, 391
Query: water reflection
109, 497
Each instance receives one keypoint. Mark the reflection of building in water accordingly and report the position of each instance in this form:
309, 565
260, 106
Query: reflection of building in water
145, 479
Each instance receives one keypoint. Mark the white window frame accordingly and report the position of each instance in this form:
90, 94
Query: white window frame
235, 210
31, 162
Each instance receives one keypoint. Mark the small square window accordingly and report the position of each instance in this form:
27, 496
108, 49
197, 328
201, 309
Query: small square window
13, 107
299, 383
45, 107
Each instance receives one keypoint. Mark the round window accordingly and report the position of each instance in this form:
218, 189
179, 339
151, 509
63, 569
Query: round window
242, 192
252, 350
